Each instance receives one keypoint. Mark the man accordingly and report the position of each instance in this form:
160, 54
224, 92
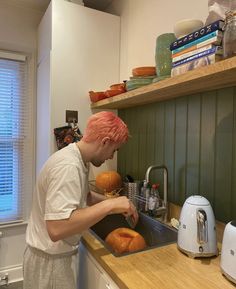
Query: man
60, 213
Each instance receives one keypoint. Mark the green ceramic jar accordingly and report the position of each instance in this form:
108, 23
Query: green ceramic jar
163, 54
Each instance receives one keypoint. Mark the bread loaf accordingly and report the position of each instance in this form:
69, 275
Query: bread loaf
125, 240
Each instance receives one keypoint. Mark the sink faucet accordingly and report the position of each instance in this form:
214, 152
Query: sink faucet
147, 178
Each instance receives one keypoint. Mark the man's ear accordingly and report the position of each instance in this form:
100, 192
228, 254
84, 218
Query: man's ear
106, 140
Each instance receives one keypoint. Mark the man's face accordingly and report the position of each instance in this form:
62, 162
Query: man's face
105, 152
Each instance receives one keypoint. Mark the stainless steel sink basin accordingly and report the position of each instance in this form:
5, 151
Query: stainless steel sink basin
155, 233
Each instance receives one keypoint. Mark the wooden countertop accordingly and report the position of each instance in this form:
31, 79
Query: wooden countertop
161, 268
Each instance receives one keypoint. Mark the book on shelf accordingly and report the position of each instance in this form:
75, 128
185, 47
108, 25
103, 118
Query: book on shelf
196, 63
212, 38
196, 51
213, 50
217, 25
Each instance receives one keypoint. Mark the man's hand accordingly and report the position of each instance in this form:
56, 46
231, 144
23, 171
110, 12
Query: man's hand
122, 205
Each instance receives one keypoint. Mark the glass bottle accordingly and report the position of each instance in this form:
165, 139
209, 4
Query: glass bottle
229, 39
152, 201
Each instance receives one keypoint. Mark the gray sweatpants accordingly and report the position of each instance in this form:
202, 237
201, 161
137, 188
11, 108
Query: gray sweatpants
45, 271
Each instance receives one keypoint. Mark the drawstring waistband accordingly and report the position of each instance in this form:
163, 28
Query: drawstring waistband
46, 255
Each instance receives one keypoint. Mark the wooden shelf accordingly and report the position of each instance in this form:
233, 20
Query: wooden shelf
218, 75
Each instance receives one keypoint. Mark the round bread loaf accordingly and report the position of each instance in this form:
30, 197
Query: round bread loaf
125, 240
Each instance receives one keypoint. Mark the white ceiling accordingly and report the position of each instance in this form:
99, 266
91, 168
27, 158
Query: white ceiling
43, 4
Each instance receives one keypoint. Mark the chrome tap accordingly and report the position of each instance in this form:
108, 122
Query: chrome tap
147, 178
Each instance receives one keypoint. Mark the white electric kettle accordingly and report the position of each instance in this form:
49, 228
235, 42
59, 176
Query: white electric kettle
197, 231
228, 252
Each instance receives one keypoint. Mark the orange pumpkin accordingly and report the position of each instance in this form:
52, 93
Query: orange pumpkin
108, 181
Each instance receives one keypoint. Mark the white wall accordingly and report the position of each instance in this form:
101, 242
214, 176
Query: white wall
143, 20
18, 27
18, 33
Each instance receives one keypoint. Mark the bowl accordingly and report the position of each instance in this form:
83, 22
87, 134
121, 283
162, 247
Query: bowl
113, 92
120, 86
97, 95
187, 26
144, 71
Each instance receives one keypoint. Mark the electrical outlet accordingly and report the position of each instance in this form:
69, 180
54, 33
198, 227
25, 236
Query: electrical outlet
71, 116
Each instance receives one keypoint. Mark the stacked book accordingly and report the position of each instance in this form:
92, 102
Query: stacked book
199, 48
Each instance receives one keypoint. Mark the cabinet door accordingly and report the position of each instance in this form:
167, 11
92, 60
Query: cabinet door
91, 275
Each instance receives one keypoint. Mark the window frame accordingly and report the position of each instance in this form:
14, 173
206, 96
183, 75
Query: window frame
29, 180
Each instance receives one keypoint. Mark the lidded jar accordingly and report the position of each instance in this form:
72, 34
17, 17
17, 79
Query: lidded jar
229, 39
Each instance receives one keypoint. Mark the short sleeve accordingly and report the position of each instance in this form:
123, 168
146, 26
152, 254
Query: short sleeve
64, 192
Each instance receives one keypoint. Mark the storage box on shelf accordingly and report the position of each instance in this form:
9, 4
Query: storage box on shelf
214, 76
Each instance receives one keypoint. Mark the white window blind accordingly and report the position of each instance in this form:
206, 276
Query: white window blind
14, 136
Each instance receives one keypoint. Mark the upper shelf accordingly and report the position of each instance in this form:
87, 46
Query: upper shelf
214, 76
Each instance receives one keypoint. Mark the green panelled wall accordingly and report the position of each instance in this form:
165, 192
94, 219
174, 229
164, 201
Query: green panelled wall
195, 137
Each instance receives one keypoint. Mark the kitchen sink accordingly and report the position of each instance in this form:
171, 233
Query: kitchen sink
155, 233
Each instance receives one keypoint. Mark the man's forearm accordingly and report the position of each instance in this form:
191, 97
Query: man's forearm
82, 219
79, 221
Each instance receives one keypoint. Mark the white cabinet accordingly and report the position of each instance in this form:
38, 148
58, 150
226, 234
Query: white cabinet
78, 51
91, 274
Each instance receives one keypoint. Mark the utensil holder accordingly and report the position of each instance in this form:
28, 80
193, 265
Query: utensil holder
131, 191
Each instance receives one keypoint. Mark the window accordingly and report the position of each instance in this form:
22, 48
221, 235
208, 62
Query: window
14, 136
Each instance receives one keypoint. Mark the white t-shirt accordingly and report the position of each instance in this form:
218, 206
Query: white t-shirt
61, 188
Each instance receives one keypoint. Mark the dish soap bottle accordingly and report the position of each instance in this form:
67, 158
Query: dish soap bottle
152, 201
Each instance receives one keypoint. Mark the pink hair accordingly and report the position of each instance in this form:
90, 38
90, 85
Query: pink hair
106, 124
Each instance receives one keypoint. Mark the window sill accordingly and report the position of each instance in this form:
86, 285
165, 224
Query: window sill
15, 224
